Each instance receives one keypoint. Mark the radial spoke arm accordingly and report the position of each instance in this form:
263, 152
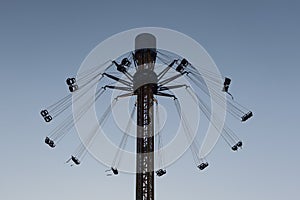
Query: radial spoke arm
128, 75
165, 95
172, 87
127, 83
162, 73
171, 79
117, 88
125, 95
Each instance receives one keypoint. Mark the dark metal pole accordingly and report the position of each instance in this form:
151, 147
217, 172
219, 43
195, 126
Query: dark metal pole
145, 83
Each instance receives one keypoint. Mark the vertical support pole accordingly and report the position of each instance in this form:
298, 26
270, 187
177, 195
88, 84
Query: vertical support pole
144, 78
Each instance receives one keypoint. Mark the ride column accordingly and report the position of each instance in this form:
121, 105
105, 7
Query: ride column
145, 85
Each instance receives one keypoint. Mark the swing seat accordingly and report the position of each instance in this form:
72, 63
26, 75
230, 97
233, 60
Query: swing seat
48, 118
183, 64
44, 113
47, 140
227, 81
247, 116
73, 88
226, 84
234, 148
121, 68
125, 62
70, 81
239, 144
50, 142
202, 166
161, 172
75, 160
115, 171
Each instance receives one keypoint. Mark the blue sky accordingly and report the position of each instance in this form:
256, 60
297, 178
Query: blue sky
256, 43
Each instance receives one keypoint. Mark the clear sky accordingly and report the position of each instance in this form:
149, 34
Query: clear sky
256, 43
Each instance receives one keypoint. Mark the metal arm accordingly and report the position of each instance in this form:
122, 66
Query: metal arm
117, 88
127, 83
162, 73
124, 95
171, 79
172, 87
165, 95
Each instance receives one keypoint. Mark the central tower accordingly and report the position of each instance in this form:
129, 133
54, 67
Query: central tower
145, 85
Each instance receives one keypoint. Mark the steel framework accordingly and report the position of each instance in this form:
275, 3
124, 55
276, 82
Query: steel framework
145, 84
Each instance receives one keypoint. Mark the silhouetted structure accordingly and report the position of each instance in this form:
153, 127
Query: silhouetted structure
145, 82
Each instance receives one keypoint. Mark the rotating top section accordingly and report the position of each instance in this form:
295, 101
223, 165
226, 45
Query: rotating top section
145, 41
145, 50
